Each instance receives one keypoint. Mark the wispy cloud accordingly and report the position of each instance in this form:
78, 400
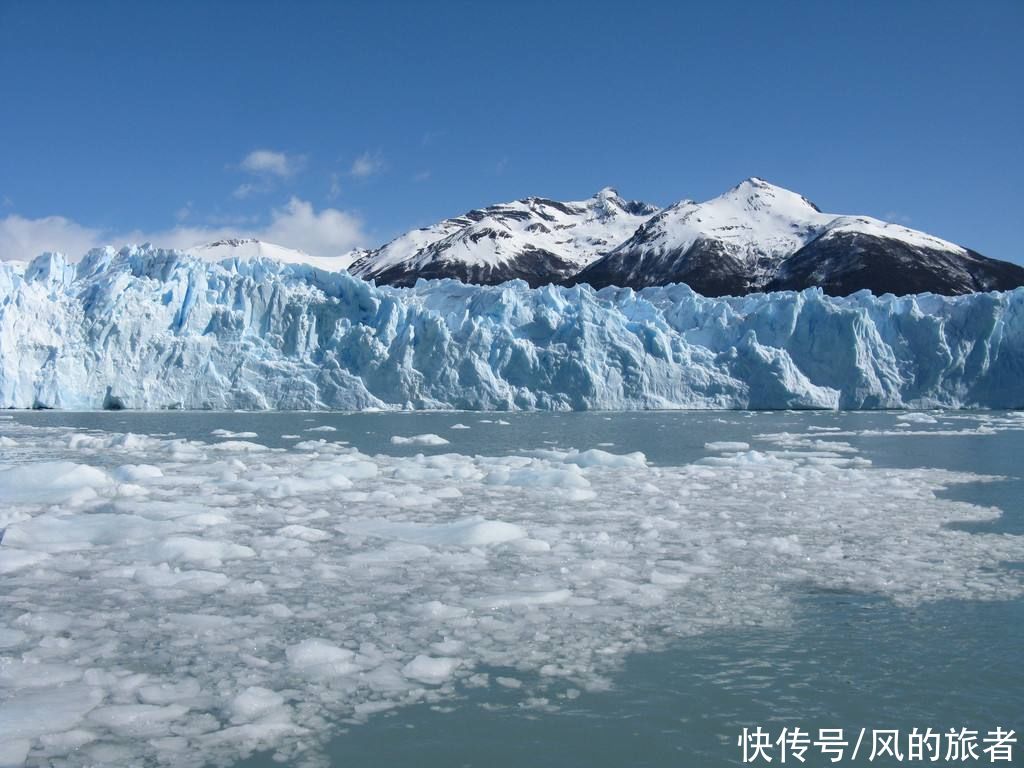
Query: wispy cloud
272, 163
245, 191
421, 176
367, 164
327, 232
897, 217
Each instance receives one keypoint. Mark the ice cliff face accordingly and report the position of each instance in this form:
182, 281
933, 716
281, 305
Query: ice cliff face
149, 328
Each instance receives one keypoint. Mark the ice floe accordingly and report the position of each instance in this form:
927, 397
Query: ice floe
181, 602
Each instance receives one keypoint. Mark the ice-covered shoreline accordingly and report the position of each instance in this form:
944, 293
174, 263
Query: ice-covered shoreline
145, 328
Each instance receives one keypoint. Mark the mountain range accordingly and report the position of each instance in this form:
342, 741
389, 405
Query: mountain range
755, 237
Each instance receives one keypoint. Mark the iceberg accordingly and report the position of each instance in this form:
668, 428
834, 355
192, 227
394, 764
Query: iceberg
147, 328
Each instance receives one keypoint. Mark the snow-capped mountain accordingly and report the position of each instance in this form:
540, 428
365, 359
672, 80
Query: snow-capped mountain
148, 328
534, 239
758, 236
246, 249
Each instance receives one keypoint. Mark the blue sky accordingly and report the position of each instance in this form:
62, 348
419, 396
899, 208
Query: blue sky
327, 125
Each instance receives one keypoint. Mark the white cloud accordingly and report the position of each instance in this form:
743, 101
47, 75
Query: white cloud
328, 232
325, 233
367, 164
421, 177
269, 162
22, 239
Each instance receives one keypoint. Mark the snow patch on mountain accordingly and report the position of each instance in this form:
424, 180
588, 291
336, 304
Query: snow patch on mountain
507, 240
759, 237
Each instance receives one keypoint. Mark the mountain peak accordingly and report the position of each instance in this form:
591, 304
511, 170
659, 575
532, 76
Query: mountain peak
754, 193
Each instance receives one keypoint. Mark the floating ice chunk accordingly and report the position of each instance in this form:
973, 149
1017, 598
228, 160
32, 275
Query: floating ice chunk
917, 417
12, 560
30, 714
229, 433
9, 638
525, 598
169, 692
458, 426
291, 437
539, 475
50, 482
68, 741
137, 719
161, 577
135, 473
471, 532
31, 673
725, 446
478, 534
598, 458
118, 442
435, 609
429, 439
14, 753
304, 533
193, 550
668, 579
254, 702
392, 554
432, 670
324, 428
317, 657
239, 445
51, 534
7, 442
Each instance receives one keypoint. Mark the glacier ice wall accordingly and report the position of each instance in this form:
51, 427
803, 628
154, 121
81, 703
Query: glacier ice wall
150, 328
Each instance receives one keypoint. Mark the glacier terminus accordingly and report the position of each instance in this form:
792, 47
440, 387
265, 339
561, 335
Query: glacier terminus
146, 328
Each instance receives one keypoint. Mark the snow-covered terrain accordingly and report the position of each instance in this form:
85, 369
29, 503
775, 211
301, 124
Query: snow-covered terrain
245, 249
145, 328
754, 237
758, 236
534, 239
185, 602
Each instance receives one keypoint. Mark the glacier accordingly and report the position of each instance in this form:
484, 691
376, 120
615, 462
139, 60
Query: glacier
148, 328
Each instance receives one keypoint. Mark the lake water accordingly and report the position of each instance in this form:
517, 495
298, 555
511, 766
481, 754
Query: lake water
516, 589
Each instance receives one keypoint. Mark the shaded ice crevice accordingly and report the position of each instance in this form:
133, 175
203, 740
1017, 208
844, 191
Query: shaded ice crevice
146, 328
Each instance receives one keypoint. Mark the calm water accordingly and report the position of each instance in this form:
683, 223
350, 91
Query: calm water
846, 661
